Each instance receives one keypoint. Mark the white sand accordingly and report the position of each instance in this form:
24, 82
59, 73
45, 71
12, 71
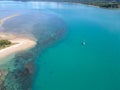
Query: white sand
21, 45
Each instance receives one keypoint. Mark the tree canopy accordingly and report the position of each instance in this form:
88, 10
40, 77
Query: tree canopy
4, 43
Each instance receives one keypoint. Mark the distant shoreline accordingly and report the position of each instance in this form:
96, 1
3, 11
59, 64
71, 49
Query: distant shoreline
102, 4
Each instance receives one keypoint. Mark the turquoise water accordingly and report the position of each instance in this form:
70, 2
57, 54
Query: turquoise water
67, 64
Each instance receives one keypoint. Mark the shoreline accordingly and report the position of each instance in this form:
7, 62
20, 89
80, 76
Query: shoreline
22, 44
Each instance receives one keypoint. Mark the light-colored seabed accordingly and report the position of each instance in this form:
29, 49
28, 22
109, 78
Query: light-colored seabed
21, 43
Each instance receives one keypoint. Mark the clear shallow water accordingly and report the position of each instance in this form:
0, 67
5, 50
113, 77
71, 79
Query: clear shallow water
67, 65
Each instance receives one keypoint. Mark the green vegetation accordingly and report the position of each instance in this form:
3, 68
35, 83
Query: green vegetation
4, 43
105, 4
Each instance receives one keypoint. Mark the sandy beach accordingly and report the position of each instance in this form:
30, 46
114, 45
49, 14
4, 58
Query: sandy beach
21, 44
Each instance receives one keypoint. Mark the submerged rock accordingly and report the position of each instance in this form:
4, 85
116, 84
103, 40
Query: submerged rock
18, 80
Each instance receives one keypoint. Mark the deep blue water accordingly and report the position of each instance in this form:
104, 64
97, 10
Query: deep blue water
67, 64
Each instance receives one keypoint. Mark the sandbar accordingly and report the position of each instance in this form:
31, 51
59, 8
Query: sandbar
20, 44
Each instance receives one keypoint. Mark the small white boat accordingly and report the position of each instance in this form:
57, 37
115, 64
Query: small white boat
83, 43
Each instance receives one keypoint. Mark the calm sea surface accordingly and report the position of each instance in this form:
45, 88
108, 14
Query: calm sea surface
69, 65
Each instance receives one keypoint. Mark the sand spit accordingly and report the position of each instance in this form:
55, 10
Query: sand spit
21, 44
6, 18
